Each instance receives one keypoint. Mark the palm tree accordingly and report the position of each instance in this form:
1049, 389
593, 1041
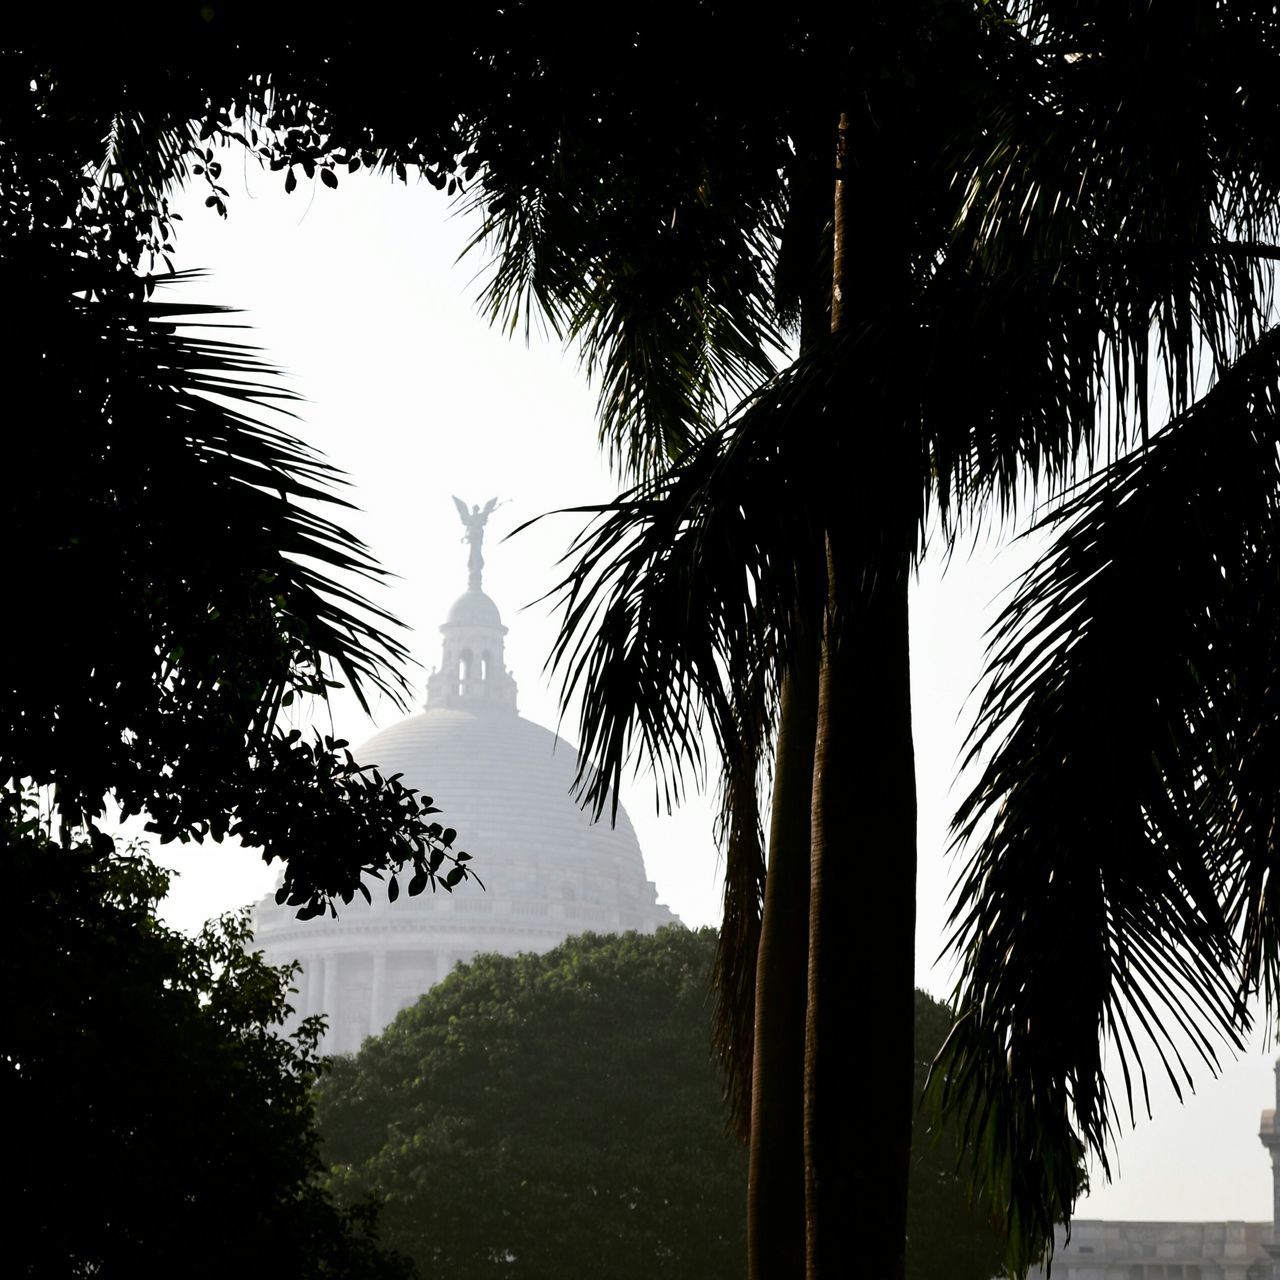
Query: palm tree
1126, 802
1076, 249
740, 582
1119, 804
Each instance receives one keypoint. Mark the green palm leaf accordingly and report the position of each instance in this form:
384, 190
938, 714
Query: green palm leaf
1119, 892
192, 587
671, 331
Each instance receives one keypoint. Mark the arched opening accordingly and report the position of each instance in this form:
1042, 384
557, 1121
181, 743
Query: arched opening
484, 666
464, 671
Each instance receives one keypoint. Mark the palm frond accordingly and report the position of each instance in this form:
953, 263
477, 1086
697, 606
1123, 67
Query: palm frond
1115, 243
645, 257
192, 572
682, 602
685, 589
1121, 824
276, 487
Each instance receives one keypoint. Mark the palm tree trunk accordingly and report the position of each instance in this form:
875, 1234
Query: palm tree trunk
860, 1016
775, 1181
859, 1028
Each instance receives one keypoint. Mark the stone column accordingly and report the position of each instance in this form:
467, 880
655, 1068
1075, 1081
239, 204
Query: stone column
377, 990
307, 988
330, 1005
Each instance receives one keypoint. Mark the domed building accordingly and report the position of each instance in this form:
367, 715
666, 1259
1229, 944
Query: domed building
504, 783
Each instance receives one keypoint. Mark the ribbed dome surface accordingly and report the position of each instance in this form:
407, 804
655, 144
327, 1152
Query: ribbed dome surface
549, 872
504, 783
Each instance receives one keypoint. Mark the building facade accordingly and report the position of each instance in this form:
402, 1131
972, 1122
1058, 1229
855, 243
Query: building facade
504, 783
1104, 1250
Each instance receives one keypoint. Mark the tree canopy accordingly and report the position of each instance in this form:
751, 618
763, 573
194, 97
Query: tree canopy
157, 1121
570, 1103
195, 579
567, 1100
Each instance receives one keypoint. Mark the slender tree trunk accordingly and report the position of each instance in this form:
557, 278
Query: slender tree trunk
859, 1027
839, 226
860, 1017
775, 1185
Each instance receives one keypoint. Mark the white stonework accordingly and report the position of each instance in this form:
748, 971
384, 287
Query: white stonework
504, 784
1270, 1138
1101, 1250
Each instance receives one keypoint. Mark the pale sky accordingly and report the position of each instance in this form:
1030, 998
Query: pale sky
356, 295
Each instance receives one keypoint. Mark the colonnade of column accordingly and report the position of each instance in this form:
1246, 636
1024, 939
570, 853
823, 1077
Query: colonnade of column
322, 990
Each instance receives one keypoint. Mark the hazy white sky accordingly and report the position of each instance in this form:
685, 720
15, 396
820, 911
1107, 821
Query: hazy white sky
356, 294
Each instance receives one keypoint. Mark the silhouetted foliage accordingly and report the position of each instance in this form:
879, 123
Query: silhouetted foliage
1064, 213
191, 584
156, 1121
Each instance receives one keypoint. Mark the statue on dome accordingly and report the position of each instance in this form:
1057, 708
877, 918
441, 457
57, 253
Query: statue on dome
474, 521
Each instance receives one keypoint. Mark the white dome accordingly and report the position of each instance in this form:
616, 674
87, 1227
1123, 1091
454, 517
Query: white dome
474, 608
504, 783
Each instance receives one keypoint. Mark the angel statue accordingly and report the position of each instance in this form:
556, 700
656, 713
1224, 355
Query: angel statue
473, 521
